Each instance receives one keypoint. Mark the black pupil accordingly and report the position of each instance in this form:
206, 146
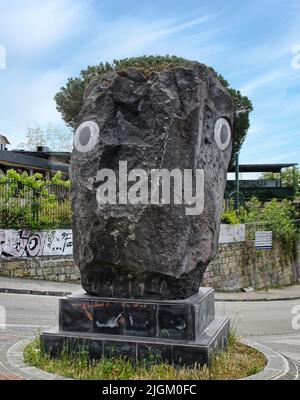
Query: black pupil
84, 135
224, 134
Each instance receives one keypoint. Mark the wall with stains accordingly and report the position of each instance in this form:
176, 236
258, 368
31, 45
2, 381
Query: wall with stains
239, 265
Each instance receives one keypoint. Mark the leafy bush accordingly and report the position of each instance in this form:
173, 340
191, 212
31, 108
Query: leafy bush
29, 201
278, 214
230, 217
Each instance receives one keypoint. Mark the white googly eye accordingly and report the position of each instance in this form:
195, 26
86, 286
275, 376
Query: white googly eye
222, 133
86, 136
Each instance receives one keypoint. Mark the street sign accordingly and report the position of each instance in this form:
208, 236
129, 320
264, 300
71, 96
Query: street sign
263, 240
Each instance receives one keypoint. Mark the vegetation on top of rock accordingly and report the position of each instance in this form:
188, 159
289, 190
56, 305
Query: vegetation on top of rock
69, 99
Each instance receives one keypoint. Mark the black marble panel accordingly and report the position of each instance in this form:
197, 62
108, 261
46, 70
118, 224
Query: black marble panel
76, 316
176, 322
108, 318
189, 355
155, 352
204, 314
95, 349
117, 349
140, 319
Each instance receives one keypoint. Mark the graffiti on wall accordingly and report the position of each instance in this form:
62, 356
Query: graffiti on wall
59, 242
27, 243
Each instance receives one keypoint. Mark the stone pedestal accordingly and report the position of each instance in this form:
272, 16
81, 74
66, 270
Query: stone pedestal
178, 331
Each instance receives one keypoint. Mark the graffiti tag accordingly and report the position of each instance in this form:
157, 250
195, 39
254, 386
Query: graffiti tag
27, 243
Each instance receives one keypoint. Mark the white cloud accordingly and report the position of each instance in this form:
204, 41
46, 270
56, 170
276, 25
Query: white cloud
29, 101
256, 128
128, 36
30, 26
261, 81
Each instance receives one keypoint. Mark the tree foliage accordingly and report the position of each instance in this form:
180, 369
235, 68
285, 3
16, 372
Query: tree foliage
278, 215
242, 107
69, 99
289, 178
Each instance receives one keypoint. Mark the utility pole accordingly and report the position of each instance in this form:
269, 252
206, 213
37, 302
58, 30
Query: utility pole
237, 182
294, 181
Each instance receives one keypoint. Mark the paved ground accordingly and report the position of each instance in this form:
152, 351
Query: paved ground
27, 286
26, 315
33, 286
285, 293
267, 322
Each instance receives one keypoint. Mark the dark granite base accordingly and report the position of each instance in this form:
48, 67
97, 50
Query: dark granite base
178, 331
179, 352
172, 319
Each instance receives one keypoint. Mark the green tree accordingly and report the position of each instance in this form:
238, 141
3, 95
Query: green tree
290, 177
242, 107
52, 136
69, 99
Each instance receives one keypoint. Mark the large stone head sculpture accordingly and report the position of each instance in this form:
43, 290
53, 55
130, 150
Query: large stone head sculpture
129, 240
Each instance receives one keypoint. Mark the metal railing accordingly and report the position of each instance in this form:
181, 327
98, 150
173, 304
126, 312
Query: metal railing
22, 206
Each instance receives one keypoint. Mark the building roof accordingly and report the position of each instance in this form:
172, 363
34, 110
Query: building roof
59, 160
5, 139
63, 155
262, 167
25, 160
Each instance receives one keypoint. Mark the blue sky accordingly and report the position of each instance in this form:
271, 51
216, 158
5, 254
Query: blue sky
249, 42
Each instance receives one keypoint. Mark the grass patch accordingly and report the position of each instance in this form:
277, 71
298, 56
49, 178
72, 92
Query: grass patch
236, 362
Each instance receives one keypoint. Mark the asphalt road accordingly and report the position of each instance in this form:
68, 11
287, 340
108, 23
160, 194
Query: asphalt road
265, 322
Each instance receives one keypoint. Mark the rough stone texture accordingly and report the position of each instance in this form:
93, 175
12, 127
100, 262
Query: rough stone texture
164, 121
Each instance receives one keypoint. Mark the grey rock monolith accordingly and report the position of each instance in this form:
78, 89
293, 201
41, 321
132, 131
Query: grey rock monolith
175, 119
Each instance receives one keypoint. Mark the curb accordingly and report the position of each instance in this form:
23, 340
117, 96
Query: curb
16, 359
277, 365
235, 300
34, 292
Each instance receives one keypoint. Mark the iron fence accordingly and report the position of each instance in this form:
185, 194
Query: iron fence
23, 206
